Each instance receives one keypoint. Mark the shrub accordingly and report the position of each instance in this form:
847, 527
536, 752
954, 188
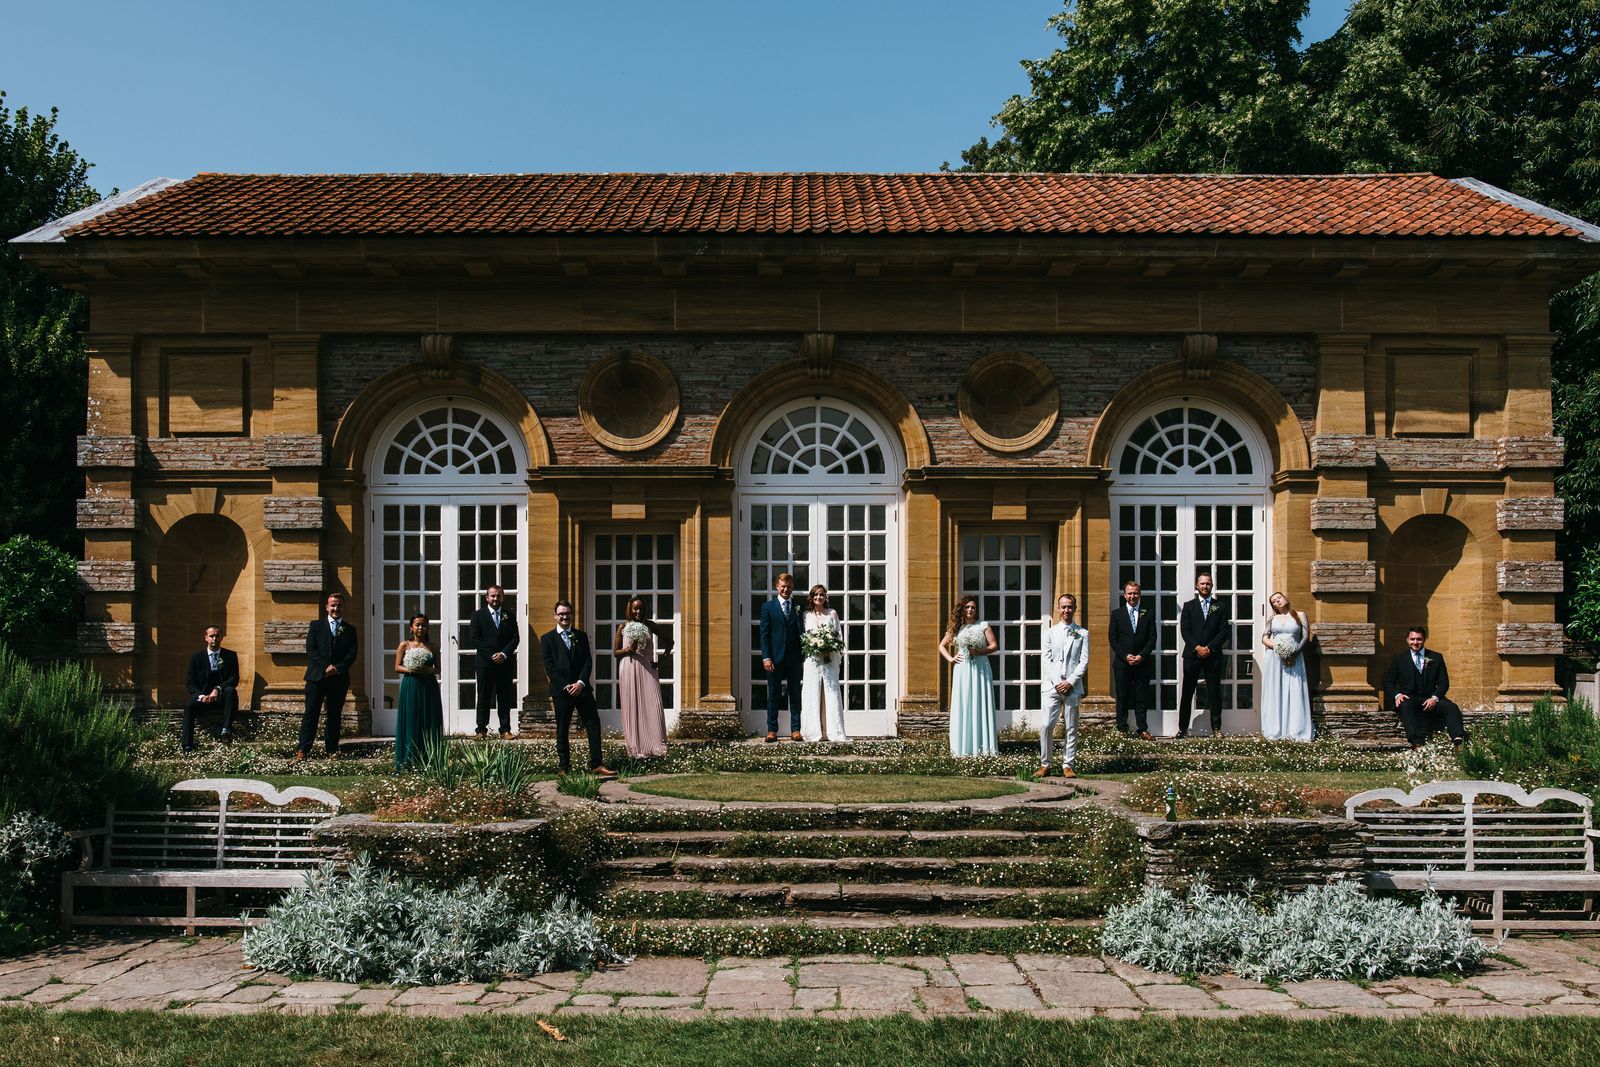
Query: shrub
64, 748
1200, 795
371, 925
1549, 746
486, 766
38, 594
1331, 931
31, 848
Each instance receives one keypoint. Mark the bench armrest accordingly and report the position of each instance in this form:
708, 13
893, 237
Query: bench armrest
85, 840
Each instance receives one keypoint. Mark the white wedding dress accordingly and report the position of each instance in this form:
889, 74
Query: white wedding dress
820, 697
1285, 693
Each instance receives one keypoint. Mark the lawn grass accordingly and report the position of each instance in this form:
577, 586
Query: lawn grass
1351, 781
104, 1039
828, 789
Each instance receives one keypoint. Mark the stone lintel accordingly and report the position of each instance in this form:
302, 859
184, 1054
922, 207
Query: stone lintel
1530, 453
108, 450
1344, 513
292, 512
1470, 454
1530, 513
1343, 576
103, 638
108, 575
292, 575
1529, 639
1530, 576
284, 638
107, 513
204, 454
1344, 450
1346, 638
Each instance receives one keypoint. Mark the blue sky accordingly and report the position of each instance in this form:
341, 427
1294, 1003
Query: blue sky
165, 88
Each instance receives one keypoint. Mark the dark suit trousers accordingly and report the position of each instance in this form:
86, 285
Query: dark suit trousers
227, 700
588, 717
1419, 723
1210, 669
328, 695
787, 678
1131, 682
497, 683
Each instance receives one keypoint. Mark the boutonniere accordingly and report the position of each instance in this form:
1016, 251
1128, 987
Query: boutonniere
1425, 661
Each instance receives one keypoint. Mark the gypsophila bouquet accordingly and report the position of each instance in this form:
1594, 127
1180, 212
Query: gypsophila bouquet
1286, 647
821, 643
636, 634
417, 660
972, 640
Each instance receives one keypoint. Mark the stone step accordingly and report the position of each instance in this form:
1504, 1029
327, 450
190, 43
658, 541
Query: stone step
975, 870
824, 921
654, 897
846, 842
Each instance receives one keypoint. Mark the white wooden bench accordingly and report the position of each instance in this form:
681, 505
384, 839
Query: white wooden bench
214, 847
1491, 837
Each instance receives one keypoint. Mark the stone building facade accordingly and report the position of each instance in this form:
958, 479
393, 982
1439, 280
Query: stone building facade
906, 387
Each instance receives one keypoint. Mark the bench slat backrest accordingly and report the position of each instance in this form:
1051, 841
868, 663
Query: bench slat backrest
222, 835
1487, 826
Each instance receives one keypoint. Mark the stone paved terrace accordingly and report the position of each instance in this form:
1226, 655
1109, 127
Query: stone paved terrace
208, 977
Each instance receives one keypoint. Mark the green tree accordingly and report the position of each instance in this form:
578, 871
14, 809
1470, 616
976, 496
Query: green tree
42, 366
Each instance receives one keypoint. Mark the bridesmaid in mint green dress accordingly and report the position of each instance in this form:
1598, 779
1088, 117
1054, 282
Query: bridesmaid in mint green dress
968, 644
419, 713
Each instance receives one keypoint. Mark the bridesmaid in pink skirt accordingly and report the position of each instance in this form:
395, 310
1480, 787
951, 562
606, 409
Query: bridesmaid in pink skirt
644, 725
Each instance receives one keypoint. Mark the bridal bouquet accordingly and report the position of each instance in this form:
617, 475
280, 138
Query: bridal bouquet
971, 640
1286, 647
636, 634
820, 644
418, 660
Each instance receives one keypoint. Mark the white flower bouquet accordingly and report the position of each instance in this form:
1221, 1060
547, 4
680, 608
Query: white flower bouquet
636, 634
821, 643
972, 640
418, 661
1286, 647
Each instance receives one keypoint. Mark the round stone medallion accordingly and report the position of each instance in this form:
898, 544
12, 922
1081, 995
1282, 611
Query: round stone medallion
628, 401
1009, 401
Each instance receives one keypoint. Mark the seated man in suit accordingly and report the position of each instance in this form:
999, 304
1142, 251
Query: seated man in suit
1133, 645
1414, 688
569, 664
213, 682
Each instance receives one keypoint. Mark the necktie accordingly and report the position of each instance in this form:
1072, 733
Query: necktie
786, 609
495, 615
1418, 658
1205, 608
566, 635
335, 628
216, 661
1133, 617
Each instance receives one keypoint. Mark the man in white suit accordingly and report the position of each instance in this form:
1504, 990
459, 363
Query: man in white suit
1066, 661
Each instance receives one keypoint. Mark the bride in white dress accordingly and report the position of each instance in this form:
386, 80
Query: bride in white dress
1285, 693
821, 701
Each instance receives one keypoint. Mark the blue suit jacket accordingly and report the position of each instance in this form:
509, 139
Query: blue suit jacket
779, 636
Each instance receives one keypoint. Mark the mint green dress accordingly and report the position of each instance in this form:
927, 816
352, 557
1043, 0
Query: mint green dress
972, 731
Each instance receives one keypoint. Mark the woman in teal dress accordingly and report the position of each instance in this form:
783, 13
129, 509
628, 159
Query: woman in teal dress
968, 643
420, 713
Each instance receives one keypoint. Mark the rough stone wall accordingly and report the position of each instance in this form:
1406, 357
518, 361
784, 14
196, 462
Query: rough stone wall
1275, 853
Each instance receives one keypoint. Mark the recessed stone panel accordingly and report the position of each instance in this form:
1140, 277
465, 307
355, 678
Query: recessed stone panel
1346, 638
1530, 513
1530, 576
108, 575
206, 393
1529, 639
1344, 450
1432, 393
1344, 513
1343, 576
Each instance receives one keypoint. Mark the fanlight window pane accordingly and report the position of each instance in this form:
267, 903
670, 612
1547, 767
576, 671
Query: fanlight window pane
817, 440
450, 440
1186, 441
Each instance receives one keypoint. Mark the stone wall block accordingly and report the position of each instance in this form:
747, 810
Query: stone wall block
108, 575
1530, 576
1529, 639
292, 512
1344, 450
101, 638
1438, 454
1541, 453
1344, 513
1530, 513
1343, 576
293, 450
204, 454
108, 450
284, 638
1346, 638
292, 575
107, 513
1273, 853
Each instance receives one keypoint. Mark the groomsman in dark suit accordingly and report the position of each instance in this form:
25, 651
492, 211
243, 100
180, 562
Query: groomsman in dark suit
331, 651
1133, 646
495, 636
213, 682
569, 663
1414, 688
781, 657
1203, 624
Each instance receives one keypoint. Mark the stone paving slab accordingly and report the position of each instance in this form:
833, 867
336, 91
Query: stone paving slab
208, 977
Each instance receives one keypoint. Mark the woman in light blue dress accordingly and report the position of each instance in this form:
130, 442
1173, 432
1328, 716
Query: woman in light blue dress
1285, 693
968, 643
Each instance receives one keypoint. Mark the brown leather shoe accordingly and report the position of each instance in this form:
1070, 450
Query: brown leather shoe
772, 738
796, 736
1042, 772
603, 771
1144, 735
1068, 772
298, 756
505, 735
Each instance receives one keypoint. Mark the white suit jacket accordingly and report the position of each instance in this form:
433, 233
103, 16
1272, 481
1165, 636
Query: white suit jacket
1066, 656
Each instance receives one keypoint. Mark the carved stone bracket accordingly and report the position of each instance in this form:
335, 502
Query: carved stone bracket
439, 353
1199, 354
817, 350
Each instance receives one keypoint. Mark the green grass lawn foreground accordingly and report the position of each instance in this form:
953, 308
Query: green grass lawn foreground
827, 789
104, 1039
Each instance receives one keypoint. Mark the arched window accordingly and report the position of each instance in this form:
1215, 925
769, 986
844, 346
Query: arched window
1184, 440
816, 439
449, 439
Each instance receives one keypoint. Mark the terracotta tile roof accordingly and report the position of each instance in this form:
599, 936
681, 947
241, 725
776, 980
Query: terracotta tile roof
279, 205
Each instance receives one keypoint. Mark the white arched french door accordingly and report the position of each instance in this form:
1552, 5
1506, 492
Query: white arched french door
1189, 494
819, 496
448, 517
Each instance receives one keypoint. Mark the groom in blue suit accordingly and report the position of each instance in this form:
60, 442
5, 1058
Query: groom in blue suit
781, 657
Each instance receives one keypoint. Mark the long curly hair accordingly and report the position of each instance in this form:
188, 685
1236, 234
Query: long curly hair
957, 615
